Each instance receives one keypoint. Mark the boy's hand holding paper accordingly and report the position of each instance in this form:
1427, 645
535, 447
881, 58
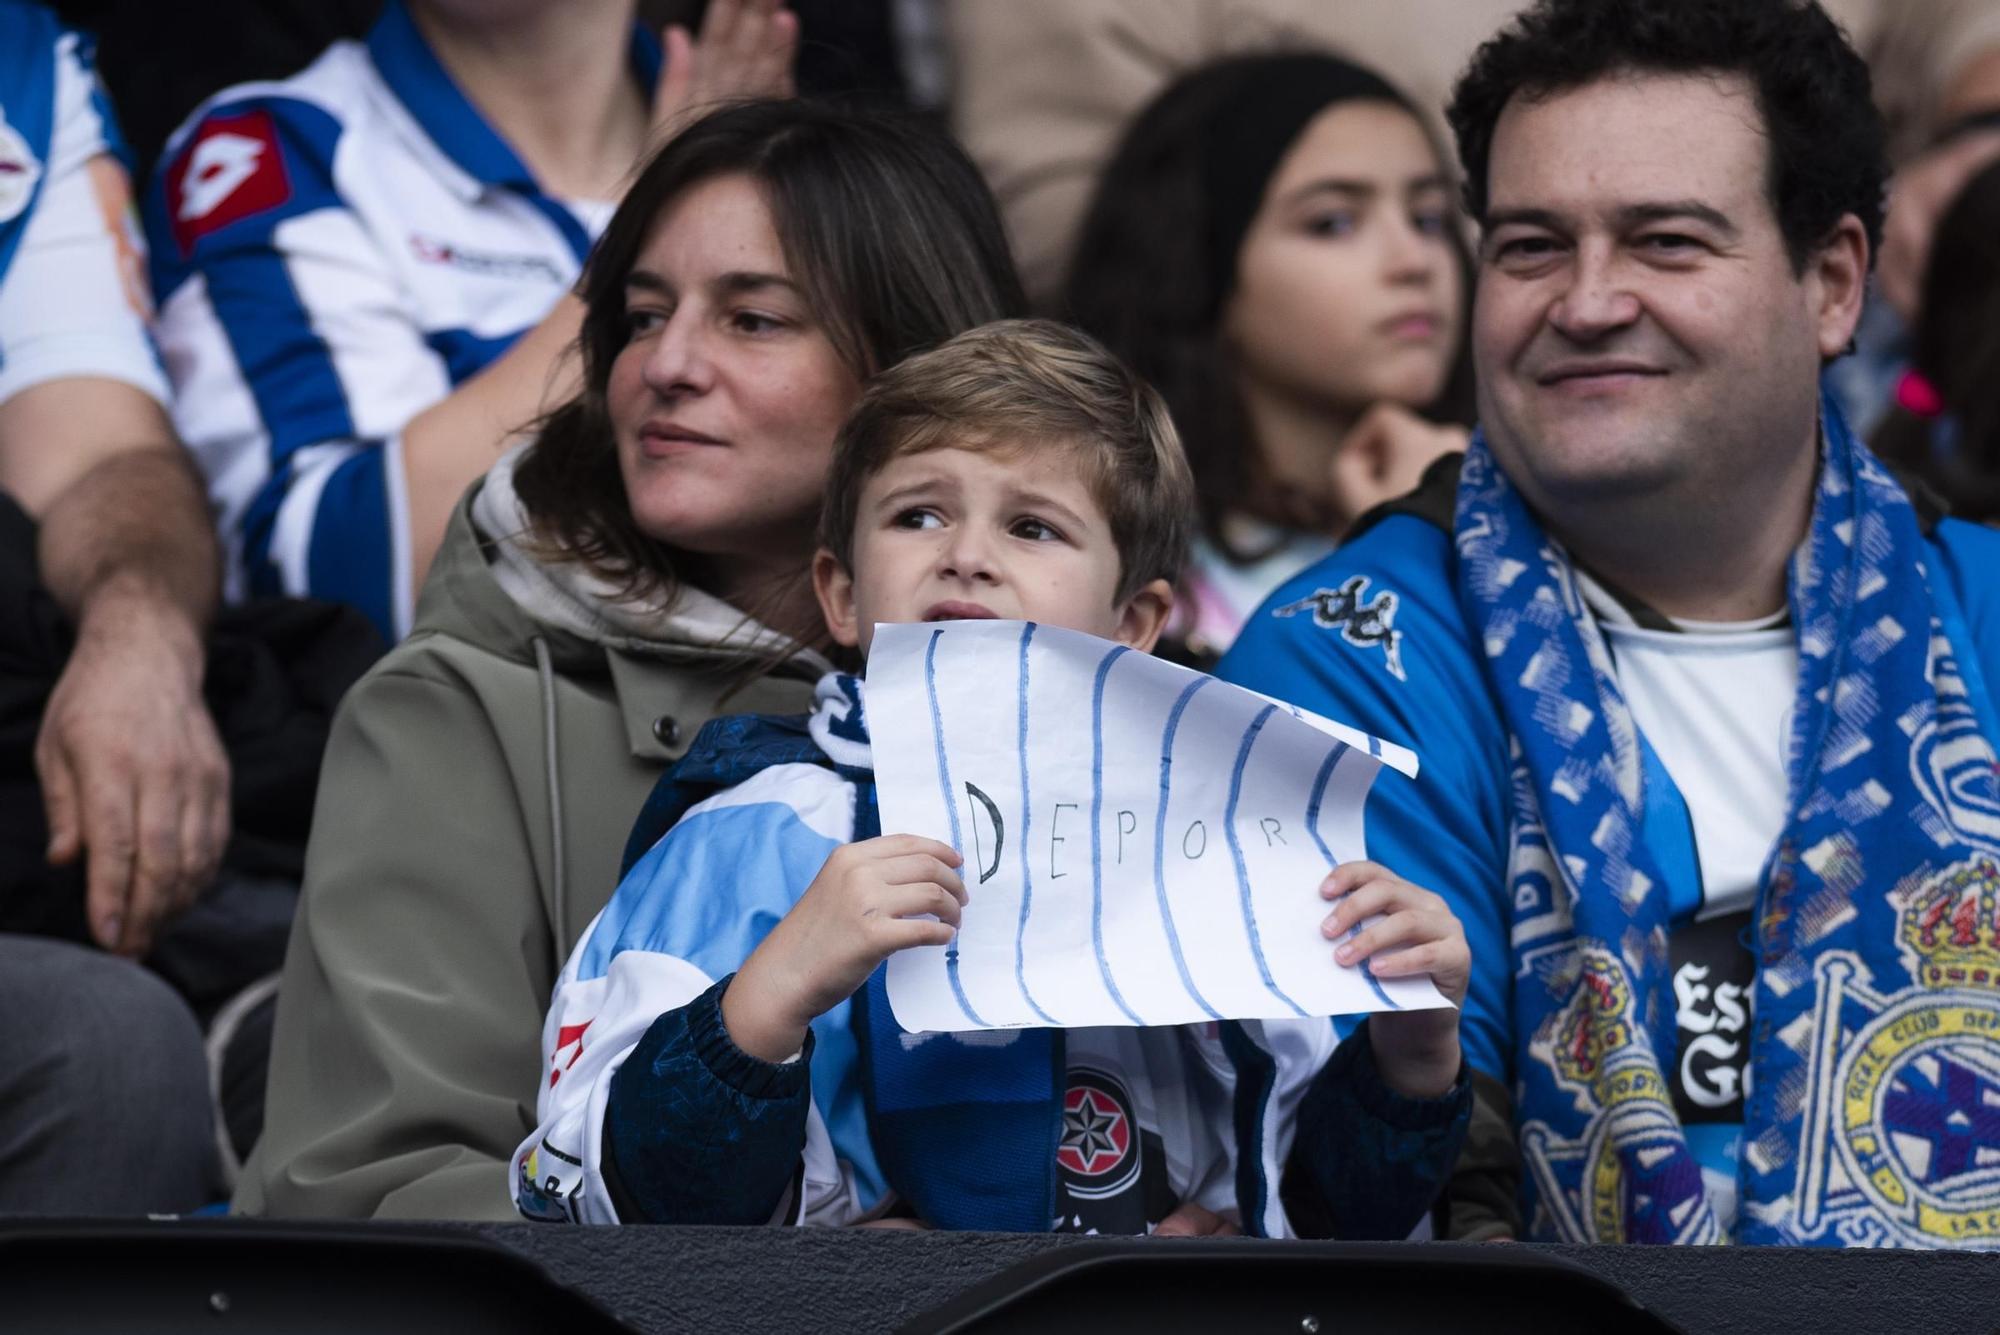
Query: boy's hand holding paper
862, 908
1143, 844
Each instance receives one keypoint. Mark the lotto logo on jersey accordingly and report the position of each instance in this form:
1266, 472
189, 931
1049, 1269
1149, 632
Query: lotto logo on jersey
232, 170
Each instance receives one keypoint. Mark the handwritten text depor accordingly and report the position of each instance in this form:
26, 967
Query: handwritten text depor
1143, 844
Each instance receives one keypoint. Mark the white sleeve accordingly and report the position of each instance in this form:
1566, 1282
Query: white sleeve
657, 946
592, 1027
74, 301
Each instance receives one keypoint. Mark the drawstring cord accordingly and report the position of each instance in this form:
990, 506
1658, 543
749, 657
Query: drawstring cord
546, 671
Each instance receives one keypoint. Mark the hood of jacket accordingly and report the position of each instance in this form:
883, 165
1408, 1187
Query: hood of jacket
490, 586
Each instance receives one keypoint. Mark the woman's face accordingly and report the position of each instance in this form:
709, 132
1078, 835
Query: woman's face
1347, 289
725, 398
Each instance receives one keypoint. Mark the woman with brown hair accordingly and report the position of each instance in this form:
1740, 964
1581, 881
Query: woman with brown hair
599, 595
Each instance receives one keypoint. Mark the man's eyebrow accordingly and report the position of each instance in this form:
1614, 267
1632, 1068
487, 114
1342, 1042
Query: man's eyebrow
1629, 215
1674, 211
1544, 218
645, 280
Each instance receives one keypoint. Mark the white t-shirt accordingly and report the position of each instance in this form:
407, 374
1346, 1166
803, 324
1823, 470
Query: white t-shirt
1715, 701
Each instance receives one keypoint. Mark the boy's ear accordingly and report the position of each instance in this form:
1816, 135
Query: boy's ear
1145, 616
833, 585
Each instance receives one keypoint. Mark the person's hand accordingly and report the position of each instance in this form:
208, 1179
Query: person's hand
133, 773
1400, 930
862, 908
1918, 197
1384, 456
1192, 1221
745, 50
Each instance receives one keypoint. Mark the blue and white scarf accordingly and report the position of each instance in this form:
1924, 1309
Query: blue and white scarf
1873, 1113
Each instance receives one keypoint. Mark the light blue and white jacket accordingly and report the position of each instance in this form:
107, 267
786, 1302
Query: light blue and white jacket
648, 1112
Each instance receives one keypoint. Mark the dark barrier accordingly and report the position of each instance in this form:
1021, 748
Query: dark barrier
221, 1276
807, 1280
169, 1277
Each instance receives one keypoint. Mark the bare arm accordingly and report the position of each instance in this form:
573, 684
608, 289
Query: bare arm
120, 506
449, 445
131, 769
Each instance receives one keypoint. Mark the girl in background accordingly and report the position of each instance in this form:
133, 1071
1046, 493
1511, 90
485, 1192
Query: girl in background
1275, 247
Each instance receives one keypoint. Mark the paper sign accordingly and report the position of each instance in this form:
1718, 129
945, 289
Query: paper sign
1143, 844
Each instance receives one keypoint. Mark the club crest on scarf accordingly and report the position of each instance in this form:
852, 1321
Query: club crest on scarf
1873, 1109
1905, 1085
1601, 1058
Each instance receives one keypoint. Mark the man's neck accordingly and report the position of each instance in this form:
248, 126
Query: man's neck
555, 82
1716, 557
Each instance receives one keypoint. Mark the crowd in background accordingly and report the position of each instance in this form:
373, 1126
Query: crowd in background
352, 615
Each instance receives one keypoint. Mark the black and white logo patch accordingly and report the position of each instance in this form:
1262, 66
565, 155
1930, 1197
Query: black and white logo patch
1363, 624
1111, 1169
1099, 1151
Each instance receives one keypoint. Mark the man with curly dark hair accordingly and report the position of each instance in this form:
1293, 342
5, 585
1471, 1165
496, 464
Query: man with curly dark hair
1709, 752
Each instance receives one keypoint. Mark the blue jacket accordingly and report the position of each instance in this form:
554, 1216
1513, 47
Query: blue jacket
1375, 636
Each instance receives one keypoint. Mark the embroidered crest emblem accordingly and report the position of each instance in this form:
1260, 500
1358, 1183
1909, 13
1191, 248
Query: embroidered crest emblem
1910, 1098
19, 172
1630, 1171
1363, 624
548, 1198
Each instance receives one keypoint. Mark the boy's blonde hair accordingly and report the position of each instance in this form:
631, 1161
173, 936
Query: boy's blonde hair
1016, 383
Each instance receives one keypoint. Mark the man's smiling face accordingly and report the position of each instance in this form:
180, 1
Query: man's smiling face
1639, 323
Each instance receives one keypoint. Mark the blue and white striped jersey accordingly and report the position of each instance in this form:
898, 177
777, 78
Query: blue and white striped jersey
333, 253
72, 288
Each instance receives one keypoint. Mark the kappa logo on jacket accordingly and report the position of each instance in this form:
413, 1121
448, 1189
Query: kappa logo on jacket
1365, 625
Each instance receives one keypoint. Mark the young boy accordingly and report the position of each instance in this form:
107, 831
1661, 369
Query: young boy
720, 1045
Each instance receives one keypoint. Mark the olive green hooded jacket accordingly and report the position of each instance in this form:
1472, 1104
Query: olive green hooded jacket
477, 792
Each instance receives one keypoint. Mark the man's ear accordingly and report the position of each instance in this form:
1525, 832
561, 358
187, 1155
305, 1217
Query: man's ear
1145, 616
833, 585
1837, 275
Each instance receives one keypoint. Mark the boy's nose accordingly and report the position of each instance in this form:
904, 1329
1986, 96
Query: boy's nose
968, 555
